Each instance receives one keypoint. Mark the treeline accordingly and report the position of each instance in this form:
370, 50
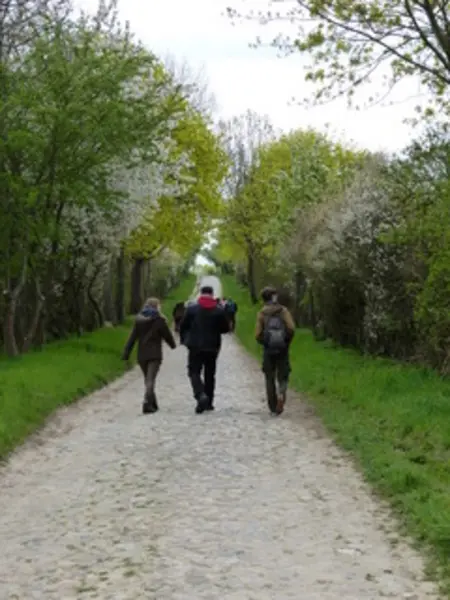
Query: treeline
358, 243
110, 172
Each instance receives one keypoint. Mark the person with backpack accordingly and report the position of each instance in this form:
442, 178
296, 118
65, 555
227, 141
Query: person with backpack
201, 332
149, 330
230, 308
275, 329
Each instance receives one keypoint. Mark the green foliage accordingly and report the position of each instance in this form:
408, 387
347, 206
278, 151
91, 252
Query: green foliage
210, 270
288, 177
67, 118
102, 158
349, 41
393, 418
358, 242
424, 196
180, 222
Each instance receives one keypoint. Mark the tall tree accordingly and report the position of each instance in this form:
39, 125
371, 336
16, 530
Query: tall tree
243, 137
179, 218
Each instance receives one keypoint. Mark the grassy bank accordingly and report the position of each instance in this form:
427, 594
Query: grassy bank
394, 419
34, 385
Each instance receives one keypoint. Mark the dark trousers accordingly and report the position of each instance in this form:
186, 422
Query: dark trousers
232, 322
150, 369
177, 322
276, 368
201, 362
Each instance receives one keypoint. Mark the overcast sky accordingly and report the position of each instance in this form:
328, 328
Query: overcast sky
198, 32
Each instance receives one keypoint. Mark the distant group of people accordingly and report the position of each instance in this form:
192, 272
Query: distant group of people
200, 325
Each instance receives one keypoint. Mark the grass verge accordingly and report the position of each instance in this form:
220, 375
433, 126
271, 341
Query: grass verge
34, 385
394, 418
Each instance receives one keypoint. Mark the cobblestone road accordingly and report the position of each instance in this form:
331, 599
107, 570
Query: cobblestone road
232, 505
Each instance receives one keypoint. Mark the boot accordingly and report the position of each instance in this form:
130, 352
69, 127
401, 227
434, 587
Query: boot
281, 400
202, 404
150, 404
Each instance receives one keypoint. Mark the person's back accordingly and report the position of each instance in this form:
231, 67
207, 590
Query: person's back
149, 330
201, 331
203, 325
230, 308
275, 329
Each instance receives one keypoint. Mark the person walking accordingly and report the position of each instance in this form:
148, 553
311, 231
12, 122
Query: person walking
201, 332
149, 330
274, 330
177, 315
231, 309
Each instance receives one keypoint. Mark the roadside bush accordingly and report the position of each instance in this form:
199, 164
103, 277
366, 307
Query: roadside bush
358, 246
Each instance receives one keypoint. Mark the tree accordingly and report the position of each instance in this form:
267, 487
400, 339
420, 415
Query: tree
179, 218
81, 102
422, 196
243, 136
290, 177
349, 41
87, 150
194, 85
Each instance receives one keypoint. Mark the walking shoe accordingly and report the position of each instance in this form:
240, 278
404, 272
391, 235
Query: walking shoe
209, 405
150, 404
280, 404
202, 404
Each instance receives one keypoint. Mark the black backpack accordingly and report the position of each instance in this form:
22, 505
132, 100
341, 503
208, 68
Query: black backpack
275, 333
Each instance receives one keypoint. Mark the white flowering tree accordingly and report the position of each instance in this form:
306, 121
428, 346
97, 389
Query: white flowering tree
355, 270
90, 153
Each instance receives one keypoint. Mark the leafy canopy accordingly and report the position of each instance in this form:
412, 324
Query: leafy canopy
349, 41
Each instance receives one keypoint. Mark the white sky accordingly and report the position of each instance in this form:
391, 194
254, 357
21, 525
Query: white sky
198, 32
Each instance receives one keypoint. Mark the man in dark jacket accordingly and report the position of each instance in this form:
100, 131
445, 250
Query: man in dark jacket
200, 331
275, 329
150, 329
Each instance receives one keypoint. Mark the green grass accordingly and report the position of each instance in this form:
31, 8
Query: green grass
34, 385
393, 418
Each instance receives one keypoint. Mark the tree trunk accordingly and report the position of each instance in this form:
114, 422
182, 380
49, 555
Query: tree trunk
136, 286
97, 310
9, 333
299, 294
120, 291
148, 278
30, 336
41, 333
77, 310
108, 297
312, 312
251, 277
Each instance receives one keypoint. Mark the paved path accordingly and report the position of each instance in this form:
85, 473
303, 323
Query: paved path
212, 281
107, 503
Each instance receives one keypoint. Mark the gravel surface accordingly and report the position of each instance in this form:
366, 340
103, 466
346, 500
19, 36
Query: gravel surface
230, 505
